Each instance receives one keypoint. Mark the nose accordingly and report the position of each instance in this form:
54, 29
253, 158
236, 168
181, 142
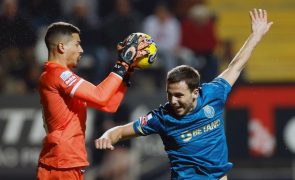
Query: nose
173, 100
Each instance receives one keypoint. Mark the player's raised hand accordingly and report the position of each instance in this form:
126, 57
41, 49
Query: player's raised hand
260, 24
103, 143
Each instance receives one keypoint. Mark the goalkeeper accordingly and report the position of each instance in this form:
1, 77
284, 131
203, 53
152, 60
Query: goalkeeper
191, 123
64, 97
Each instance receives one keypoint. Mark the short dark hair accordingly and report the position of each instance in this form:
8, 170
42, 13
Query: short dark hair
59, 28
184, 73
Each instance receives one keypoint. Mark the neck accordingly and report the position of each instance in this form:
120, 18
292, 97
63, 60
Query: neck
194, 105
58, 60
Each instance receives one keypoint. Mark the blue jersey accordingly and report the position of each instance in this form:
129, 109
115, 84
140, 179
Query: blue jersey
195, 143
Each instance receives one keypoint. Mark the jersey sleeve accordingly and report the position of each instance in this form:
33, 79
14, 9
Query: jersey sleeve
113, 103
67, 81
218, 88
146, 125
97, 96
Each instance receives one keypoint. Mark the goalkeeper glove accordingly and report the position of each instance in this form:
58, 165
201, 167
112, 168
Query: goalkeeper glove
129, 50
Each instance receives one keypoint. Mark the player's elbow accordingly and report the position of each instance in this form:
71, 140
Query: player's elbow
111, 110
101, 101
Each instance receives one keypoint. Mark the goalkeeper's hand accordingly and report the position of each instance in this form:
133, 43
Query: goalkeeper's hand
132, 48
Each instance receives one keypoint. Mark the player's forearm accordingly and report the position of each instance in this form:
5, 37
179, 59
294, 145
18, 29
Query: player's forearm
120, 133
101, 94
239, 61
113, 103
114, 134
107, 88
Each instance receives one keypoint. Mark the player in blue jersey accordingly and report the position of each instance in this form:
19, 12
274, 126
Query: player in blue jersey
191, 123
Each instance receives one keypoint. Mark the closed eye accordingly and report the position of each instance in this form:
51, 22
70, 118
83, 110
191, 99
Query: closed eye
78, 43
177, 95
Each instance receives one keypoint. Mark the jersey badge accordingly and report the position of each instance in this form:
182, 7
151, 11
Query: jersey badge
68, 77
144, 119
209, 111
65, 75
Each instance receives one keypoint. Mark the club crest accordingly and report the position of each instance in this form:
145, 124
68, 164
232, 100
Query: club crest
209, 111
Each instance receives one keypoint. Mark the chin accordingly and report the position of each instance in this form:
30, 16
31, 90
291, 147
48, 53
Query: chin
74, 65
178, 113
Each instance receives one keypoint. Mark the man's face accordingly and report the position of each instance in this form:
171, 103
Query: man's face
73, 51
181, 98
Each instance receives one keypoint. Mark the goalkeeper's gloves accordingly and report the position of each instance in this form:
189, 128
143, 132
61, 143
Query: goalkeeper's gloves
126, 78
128, 51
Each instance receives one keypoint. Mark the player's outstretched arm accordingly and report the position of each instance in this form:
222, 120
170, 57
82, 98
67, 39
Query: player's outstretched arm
114, 135
260, 27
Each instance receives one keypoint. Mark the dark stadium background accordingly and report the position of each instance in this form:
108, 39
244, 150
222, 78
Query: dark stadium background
259, 118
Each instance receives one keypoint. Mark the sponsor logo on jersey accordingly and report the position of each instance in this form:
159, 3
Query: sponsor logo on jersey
68, 77
65, 75
209, 111
188, 135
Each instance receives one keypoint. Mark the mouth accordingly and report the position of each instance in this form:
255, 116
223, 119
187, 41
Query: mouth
177, 109
79, 58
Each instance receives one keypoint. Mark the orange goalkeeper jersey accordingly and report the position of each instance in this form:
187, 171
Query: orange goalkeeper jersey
64, 98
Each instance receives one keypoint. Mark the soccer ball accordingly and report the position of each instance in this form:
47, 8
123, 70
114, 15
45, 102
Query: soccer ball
147, 60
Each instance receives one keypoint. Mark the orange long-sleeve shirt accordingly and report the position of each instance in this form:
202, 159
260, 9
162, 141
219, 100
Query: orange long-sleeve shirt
64, 98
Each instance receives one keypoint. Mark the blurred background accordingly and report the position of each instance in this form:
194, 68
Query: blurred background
206, 34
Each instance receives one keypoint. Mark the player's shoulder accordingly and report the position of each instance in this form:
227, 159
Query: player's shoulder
53, 68
218, 88
164, 110
54, 74
216, 83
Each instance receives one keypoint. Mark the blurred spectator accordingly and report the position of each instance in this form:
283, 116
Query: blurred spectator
104, 8
182, 7
17, 50
199, 36
41, 52
147, 7
13, 69
164, 28
16, 31
90, 36
122, 21
42, 12
90, 5
79, 17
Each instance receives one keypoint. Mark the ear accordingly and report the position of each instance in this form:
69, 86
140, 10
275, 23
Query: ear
195, 93
60, 48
